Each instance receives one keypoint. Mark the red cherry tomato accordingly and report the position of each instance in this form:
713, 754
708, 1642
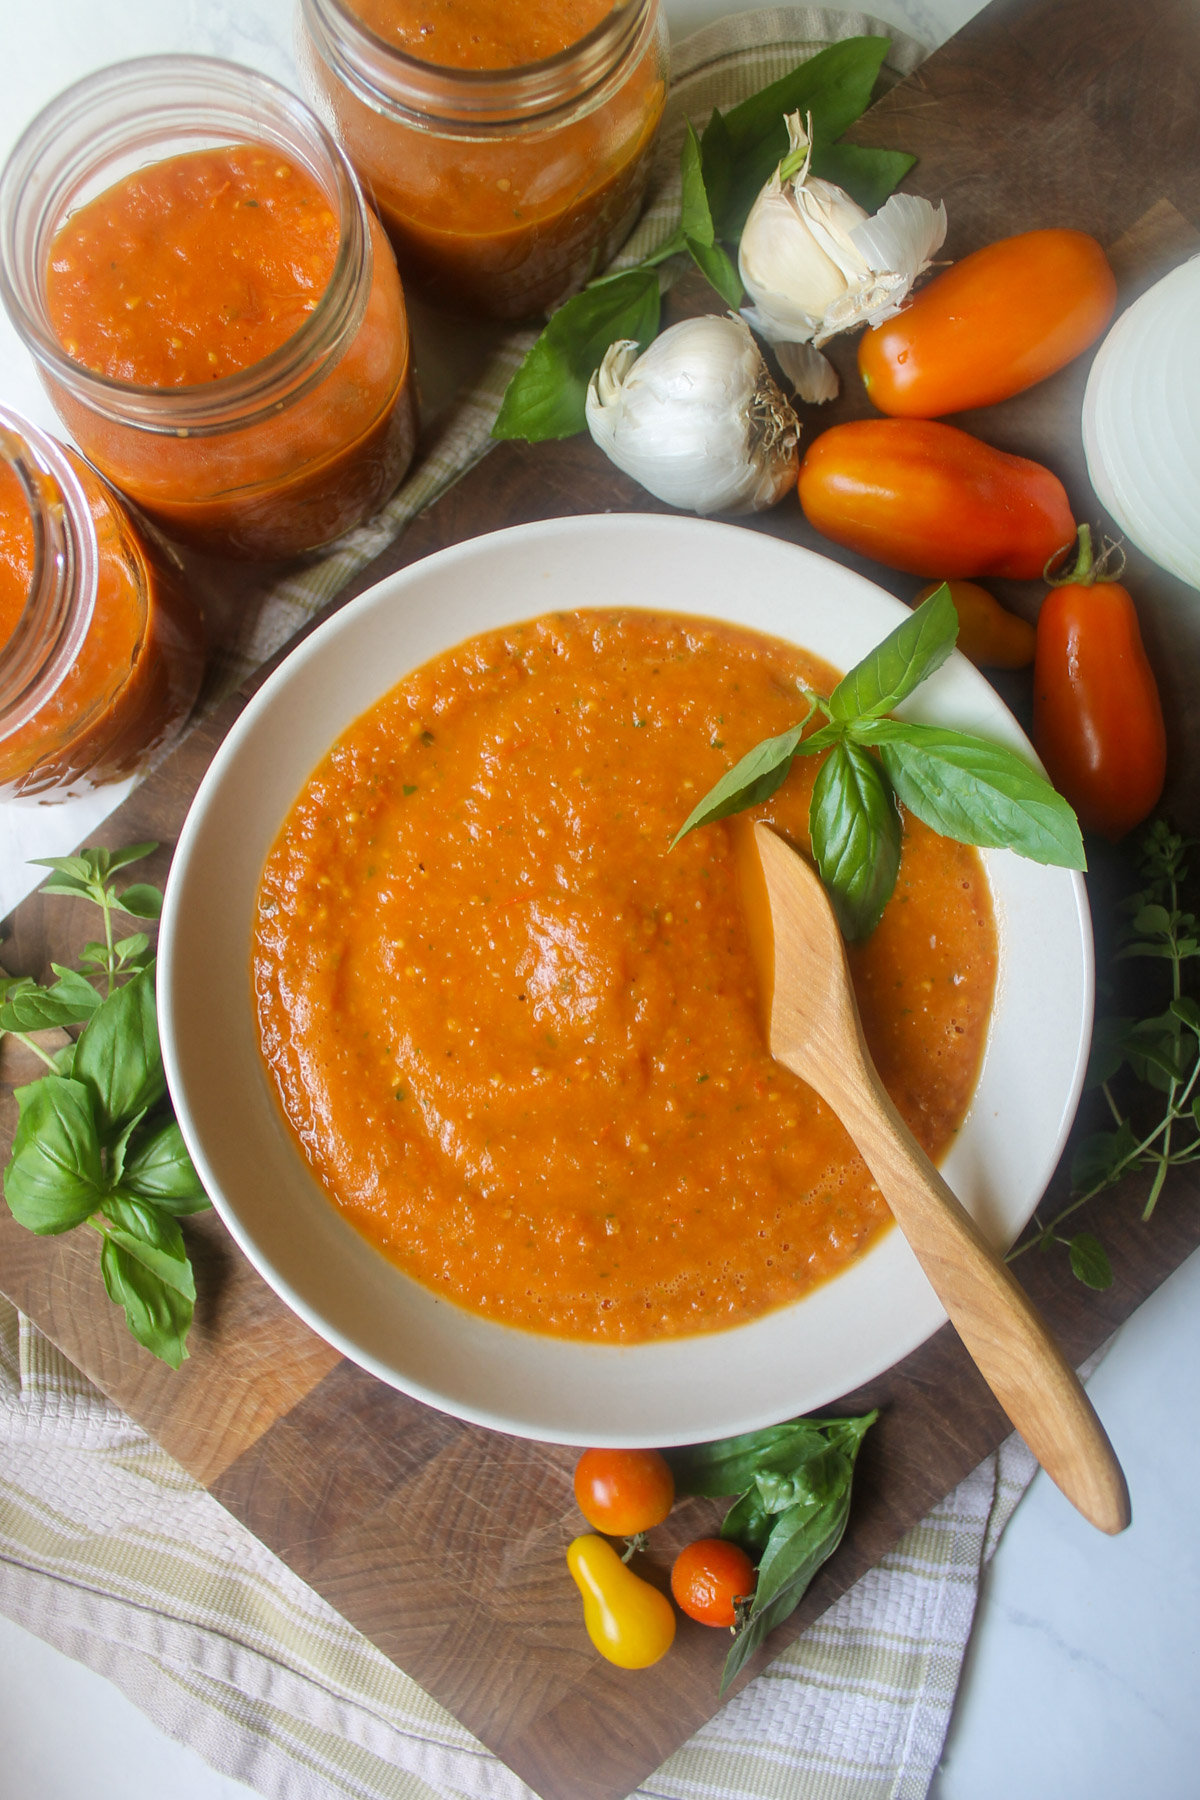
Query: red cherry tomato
623, 1492
708, 1576
992, 325
931, 499
1097, 718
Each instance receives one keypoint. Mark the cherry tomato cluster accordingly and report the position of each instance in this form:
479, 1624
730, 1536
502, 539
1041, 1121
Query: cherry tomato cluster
923, 496
625, 1493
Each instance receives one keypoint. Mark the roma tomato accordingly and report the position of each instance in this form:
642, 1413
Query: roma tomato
630, 1622
1097, 718
988, 633
708, 1576
623, 1491
931, 499
992, 325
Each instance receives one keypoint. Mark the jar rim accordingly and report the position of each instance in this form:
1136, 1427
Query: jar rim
473, 101
57, 615
73, 137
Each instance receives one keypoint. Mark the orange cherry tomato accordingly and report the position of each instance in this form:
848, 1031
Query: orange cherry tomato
623, 1491
988, 633
931, 499
708, 1576
991, 326
1097, 718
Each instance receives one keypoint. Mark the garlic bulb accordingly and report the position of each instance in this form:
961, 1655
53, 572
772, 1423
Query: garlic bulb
816, 264
697, 418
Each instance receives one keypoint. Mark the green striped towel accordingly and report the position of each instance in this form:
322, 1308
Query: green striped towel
110, 1552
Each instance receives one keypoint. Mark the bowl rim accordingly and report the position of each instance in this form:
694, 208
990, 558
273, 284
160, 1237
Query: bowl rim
925, 1318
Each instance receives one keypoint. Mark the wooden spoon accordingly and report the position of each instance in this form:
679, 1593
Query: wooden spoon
814, 1029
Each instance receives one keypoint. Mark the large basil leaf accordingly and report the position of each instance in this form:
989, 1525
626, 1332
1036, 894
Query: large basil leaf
158, 1168
890, 672
157, 1314
730, 1465
855, 837
32, 1008
545, 398
748, 1524
976, 792
118, 1055
55, 1178
807, 1536
153, 1238
867, 175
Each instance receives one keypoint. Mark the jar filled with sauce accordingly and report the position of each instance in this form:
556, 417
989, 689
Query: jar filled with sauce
506, 143
215, 312
101, 649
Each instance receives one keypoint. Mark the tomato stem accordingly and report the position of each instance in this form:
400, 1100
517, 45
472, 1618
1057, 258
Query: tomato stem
1087, 568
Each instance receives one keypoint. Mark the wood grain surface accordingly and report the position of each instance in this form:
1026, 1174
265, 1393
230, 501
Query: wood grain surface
443, 1542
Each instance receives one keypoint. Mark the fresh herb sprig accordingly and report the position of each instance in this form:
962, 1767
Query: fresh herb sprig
963, 787
793, 1483
96, 1141
722, 172
1160, 1051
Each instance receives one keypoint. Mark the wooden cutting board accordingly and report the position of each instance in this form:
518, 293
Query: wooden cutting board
443, 1542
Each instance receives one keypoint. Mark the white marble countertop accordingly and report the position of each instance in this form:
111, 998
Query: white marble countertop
1082, 1672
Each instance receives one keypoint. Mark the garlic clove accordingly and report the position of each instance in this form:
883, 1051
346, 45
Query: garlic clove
813, 376
903, 237
697, 418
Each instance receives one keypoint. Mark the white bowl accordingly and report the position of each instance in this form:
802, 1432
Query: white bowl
1141, 422
682, 1390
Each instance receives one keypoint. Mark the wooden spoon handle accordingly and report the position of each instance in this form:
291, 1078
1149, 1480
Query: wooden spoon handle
1005, 1334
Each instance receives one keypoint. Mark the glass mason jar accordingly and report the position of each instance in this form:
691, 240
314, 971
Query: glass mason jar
101, 649
503, 190
272, 459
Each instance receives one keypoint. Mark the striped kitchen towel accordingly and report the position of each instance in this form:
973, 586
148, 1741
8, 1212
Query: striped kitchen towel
113, 1554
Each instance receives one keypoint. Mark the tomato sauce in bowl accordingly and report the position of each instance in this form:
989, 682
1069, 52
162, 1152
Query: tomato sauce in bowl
507, 147
519, 1042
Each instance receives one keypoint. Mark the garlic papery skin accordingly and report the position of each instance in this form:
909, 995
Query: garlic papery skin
696, 418
815, 264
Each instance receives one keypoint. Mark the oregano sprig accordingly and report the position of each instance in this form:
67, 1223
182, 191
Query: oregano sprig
96, 1141
964, 787
1159, 1051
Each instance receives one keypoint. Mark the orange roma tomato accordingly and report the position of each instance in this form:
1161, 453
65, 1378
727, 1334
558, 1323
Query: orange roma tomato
988, 633
992, 325
623, 1491
931, 499
1097, 718
708, 1576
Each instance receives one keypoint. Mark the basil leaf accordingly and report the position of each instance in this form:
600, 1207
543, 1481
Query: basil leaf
835, 86
716, 268
807, 1537
748, 1524
55, 1178
855, 837
545, 398
809, 1485
142, 900
118, 1054
730, 1465
77, 887
33, 1008
1107, 1054
868, 176
890, 672
121, 859
159, 1168
696, 219
976, 792
153, 1238
157, 1314
73, 868
716, 160
1089, 1261
119, 1147
754, 778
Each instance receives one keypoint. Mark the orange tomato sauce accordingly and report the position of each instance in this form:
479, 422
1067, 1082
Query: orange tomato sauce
519, 1042
197, 268
507, 224
138, 669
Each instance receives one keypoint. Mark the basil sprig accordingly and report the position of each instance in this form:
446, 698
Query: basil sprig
793, 1482
722, 171
96, 1142
962, 786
